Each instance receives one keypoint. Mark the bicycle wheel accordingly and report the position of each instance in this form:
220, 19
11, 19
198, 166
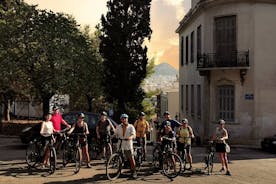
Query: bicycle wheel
66, 154
172, 165
108, 151
33, 154
53, 160
78, 159
210, 165
139, 158
114, 166
156, 157
184, 160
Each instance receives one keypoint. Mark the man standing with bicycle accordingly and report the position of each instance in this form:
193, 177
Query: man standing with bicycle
103, 130
142, 128
126, 133
185, 134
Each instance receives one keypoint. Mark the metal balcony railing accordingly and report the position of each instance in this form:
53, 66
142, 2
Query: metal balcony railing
213, 60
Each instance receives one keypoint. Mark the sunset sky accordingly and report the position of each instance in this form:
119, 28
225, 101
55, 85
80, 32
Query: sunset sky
165, 17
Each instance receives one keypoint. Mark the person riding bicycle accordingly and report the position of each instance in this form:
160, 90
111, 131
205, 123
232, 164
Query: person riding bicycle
81, 127
142, 128
184, 139
104, 129
46, 132
125, 132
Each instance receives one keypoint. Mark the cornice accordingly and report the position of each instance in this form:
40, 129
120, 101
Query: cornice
201, 5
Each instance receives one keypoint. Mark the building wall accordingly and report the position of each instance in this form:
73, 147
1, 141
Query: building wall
173, 103
254, 118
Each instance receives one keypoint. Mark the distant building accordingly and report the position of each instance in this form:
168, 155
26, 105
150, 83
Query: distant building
168, 101
228, 67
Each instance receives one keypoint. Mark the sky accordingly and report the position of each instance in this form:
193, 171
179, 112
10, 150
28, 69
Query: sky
165, 18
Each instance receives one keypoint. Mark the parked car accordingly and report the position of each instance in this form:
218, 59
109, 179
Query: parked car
91, 119
269, 144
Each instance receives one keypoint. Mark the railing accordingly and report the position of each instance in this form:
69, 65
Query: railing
214, 60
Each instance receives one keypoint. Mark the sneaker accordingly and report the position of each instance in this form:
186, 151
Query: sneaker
222, 169
228, 173
134, 175
88, 165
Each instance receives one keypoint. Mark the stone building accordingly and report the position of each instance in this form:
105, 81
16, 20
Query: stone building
227, 67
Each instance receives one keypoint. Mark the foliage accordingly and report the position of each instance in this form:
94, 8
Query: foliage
124, 29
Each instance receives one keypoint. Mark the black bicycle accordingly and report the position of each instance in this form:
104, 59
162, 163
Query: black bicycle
116, 162
209, 158
171, 162
183, 155
139, 154
35, 153
72, 150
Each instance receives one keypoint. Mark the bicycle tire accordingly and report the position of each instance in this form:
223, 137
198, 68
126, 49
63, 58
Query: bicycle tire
108, 151
184, 160
156, 157
78, 159
53, 160
114, 166
33, 155
66, 154
172, 165
210, 161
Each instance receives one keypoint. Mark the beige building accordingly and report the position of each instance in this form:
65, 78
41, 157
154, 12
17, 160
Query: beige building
228, 68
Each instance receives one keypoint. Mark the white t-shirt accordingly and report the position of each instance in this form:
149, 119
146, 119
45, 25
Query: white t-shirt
130, 130
47, 128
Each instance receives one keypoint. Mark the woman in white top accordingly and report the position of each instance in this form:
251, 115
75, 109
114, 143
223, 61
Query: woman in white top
46, 133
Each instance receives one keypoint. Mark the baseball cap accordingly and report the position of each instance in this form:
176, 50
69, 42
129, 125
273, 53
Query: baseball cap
168, 123
141, 114
103, 113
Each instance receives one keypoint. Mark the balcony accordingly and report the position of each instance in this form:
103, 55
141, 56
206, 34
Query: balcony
214, 61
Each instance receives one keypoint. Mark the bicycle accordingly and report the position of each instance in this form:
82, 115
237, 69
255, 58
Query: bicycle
72, 151
139, 153
35, 153
183, 155
209, 158
115, 163
171, 162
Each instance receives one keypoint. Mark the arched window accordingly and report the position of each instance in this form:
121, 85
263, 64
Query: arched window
226, 102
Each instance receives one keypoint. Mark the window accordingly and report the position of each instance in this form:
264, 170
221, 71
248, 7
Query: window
192, 100
225, 40
192, 47
182, 51
198, 43
198, 101
187, 50
182, 97
226, 102
187, 99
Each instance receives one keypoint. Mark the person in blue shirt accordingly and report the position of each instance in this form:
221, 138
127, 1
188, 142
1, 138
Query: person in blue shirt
174, 123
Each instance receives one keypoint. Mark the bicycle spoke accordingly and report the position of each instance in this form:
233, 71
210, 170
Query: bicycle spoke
113, 167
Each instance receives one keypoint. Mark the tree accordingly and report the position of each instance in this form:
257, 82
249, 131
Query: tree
53, 45
13, 81
87, 79
124, 29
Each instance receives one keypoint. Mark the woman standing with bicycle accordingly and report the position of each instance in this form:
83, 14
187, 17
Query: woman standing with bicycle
220, 136
46, 132
185, 134
79, 128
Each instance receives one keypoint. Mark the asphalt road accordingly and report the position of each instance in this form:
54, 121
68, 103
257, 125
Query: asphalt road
247, 166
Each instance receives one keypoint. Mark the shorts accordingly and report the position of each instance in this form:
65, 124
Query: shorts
220, 148
128, 154
181, 147
83, 142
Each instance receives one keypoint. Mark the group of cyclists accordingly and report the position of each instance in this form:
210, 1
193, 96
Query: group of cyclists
126, 132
